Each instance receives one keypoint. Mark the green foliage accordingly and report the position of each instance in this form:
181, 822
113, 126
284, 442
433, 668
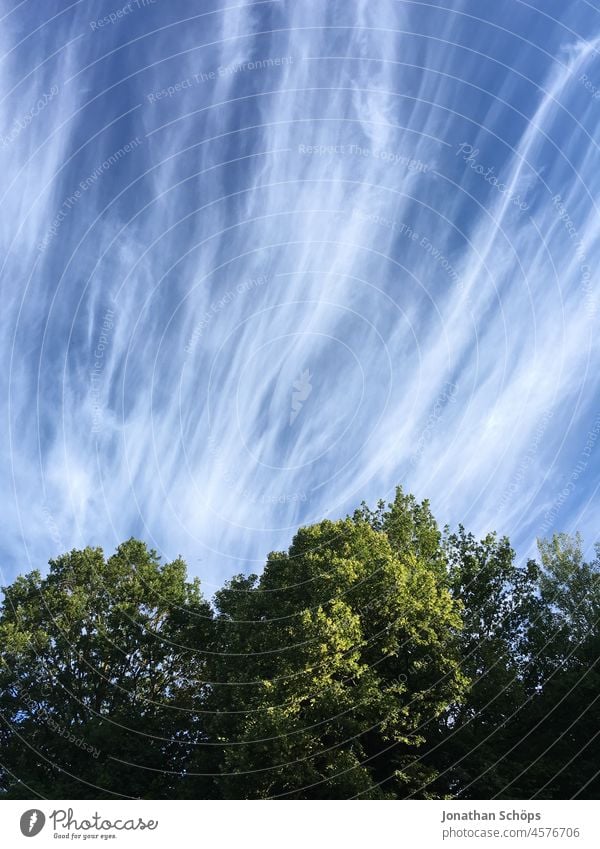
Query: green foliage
377, 658
342, 652
99, 675
558, 746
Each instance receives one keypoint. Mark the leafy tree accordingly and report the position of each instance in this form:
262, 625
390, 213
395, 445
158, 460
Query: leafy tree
529, 724
529, 648
410, 528
556, 754
98, 679
377, 658
332, 661
499, 601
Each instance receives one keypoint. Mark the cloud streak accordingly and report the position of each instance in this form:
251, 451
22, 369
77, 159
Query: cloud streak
212, 206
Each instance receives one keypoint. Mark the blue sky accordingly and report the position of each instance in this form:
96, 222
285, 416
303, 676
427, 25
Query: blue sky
262, 261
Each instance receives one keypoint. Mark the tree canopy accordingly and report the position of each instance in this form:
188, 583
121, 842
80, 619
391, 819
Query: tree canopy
378, 657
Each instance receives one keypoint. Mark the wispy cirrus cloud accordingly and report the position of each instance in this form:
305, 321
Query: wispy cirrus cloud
265, 190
